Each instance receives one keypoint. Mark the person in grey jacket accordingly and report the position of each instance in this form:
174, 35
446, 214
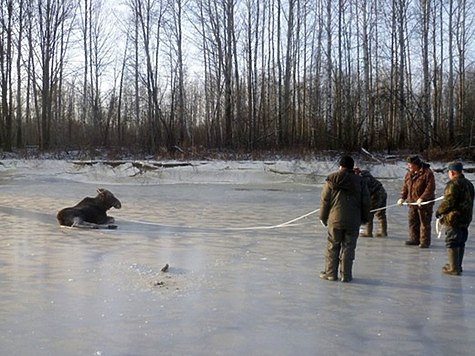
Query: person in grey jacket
377, 199
344, 206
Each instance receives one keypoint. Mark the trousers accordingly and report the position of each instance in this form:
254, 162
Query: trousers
419, 223
341, 246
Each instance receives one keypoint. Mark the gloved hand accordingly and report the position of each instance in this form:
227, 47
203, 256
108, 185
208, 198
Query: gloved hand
419, 202
400, 201
324, 223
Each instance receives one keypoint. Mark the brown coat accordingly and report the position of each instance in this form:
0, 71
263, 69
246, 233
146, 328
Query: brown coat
419, 184
344, 202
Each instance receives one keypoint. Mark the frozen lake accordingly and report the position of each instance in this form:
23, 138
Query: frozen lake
229, 290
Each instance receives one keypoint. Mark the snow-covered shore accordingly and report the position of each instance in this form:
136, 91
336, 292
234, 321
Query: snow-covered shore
219, 171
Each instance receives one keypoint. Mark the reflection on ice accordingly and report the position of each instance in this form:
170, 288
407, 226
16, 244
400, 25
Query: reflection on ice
227, 290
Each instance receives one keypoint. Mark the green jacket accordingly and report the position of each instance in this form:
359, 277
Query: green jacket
344, 202
457, 206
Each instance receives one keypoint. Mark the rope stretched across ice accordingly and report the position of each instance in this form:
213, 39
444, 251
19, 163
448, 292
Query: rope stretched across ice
292, 221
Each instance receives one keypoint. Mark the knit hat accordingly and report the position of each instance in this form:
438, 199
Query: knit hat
455, 166
414, 160
347, 162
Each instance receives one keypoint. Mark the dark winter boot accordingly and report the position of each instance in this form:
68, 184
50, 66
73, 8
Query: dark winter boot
384, 228
346, 270
369, 230
453, 267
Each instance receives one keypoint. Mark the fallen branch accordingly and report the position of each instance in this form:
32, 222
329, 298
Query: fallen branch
137, 164
371, 155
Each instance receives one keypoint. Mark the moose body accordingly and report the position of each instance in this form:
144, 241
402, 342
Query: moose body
90, 212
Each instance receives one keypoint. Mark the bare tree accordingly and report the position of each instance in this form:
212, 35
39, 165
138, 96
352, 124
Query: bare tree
286, 107
21, 21
252, 25
85, 29
228, 72
329, 74
425, 13
450, 80
51, 18
437, 63
99, 59
463, 26
275, 74
120, 125
6, 65
400, 103
178, 70
367, 106
149, 15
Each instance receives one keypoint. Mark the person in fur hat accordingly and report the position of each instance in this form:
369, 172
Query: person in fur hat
418, 187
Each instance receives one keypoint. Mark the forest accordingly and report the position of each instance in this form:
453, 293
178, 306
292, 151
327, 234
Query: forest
250, 75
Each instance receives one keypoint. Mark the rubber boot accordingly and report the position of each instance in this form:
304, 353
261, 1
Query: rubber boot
461, 252
384, 228
329, 276
346, 270
331, 267
369, 230
453, 267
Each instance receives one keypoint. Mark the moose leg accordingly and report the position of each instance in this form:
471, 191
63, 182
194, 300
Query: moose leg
89, 225
80, 223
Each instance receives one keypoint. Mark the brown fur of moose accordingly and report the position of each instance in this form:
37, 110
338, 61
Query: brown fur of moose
91, 212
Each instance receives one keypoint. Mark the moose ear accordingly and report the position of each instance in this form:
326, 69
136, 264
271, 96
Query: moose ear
100, 190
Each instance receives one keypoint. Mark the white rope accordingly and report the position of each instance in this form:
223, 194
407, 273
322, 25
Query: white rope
285, 224
290, 222
407, 204
425, 202
316, 210
439, 228
383, 208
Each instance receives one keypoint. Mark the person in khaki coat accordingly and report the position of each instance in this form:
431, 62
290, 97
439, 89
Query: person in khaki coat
455, 212
344, 206
418, 187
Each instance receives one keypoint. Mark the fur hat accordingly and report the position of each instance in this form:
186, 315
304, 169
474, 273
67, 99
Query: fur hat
414, 160
455, 166
347, 162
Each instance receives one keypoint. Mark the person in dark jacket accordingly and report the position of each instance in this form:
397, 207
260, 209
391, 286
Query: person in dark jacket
378, 199
419, 187
344, 206
455, 213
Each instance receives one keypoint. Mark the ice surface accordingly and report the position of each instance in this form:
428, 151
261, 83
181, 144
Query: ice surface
228, 291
